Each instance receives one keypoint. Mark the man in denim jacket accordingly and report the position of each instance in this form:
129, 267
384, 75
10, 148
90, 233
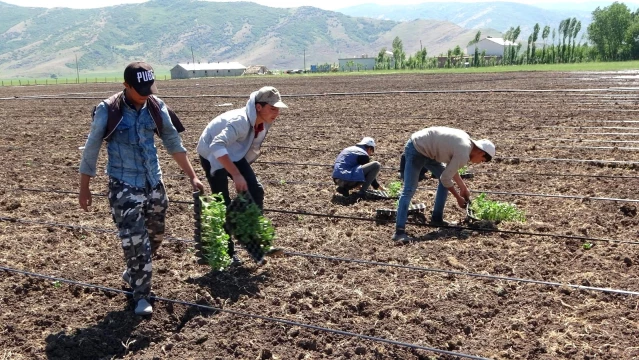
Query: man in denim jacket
137, 196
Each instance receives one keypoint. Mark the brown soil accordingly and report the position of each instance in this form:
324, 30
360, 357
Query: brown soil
448, 311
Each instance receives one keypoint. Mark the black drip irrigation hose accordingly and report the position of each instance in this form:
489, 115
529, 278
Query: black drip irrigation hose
452, 272
285, 182
512, 232
590, 161
359, 93
243, 314
559, 175
76, 193
74, 227
497, 159
605, 121
399, 266
589, 127
582, 140
578, 197
575, 237
616, 148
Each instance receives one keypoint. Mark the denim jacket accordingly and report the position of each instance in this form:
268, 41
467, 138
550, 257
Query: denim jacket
131, 151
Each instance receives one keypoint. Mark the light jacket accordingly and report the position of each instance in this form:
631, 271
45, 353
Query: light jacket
444, 145
132, 155
348, 164
232, 133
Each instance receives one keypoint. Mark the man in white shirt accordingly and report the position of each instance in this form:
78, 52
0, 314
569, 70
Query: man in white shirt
431, 148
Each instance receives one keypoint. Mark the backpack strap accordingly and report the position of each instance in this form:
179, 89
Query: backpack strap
154, 109
114, 106
114, 117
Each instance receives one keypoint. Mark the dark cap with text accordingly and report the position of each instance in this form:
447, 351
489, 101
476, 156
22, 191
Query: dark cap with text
270, 95
140, 76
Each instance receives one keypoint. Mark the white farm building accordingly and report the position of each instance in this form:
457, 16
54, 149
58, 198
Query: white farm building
209, 69
357, 63
492, 46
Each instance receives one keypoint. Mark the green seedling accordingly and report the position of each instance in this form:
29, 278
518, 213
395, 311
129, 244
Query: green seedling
282, 182
463, 171
588, 246
394, 188
57, 284
214, 238
250, 227
486, 209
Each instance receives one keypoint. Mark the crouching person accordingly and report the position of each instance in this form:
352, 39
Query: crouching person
430, 148
353, 168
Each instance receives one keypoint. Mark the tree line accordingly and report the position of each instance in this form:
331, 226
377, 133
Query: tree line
613, 35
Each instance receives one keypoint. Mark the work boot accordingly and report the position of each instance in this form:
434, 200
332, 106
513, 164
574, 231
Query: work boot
235, 260
126, 277
442, 223
143, 307
402, 238
274, 252
343, 191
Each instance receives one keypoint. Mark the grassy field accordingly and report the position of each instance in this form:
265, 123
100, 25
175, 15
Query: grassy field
163, 73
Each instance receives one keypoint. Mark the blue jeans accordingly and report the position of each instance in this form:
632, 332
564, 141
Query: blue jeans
414, 164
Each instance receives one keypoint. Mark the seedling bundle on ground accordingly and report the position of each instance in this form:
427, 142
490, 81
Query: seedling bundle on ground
496, 211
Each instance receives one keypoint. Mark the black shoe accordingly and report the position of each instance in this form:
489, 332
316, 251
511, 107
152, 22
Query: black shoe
358, 196
235, 260
343, 191
442, 223
402, 238
274, 252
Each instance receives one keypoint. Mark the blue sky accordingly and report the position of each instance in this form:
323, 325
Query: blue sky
323, 4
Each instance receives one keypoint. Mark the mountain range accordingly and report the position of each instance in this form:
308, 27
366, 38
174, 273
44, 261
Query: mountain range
41, 42
496, 14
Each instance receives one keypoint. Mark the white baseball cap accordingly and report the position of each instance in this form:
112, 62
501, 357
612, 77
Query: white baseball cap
486, 145
368, 141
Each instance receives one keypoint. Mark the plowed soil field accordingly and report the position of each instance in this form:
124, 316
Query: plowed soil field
567, 155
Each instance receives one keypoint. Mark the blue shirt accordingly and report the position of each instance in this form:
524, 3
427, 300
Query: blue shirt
131, 151
348, 164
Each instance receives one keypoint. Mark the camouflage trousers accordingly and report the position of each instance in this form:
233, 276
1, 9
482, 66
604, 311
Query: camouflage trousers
139, 214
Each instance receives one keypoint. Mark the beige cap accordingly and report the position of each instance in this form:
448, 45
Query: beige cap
270, 95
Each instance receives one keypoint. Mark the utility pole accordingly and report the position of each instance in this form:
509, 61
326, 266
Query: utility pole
193, 56
77, 69
304, 60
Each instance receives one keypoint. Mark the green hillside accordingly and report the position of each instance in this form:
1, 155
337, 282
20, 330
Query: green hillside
39, 42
